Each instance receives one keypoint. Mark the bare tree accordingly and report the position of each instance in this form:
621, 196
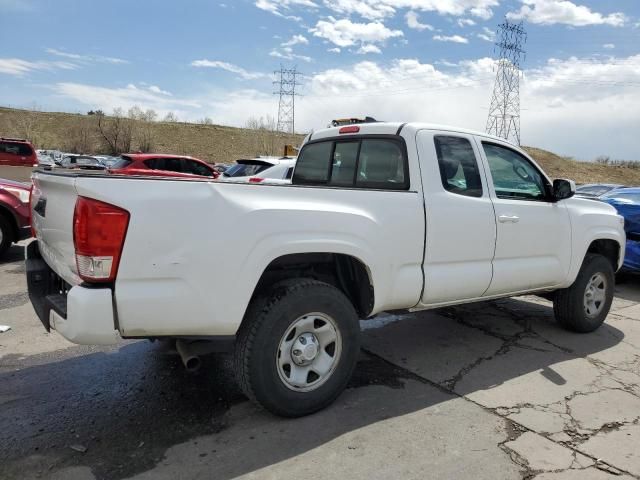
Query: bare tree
80, 137
116, 131
170, 117
205, 121
265, 134
150, 115
145, 136
26, 128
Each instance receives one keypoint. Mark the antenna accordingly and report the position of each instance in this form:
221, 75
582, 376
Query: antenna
286, 80
504, 113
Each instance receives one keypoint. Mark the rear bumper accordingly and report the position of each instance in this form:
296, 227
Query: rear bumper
82, 315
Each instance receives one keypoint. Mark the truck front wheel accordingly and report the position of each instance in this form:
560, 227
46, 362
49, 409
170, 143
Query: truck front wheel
584, 306
297, 347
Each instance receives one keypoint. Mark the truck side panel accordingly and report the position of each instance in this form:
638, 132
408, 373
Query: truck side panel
195, 251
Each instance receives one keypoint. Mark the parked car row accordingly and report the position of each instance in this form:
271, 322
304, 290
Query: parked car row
20, 152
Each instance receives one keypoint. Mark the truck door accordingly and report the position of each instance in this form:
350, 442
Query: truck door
461, 227
533, 247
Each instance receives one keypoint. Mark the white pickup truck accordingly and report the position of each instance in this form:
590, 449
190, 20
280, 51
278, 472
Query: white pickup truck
379, 217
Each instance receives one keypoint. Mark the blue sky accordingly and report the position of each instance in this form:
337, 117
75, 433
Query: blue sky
408, 60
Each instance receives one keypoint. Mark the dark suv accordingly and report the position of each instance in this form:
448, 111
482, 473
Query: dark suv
17, 153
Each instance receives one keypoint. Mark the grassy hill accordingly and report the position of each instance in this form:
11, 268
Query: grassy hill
584, 172
213, 143
216, 143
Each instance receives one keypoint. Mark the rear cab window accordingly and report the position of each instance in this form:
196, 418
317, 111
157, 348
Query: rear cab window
373, 162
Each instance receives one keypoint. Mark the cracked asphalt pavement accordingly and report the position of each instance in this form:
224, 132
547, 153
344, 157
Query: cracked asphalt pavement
486, 391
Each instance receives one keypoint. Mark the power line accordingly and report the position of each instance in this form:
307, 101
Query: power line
504, 112
287, 81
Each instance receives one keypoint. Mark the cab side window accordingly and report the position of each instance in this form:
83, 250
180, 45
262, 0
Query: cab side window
514, 176
458, 166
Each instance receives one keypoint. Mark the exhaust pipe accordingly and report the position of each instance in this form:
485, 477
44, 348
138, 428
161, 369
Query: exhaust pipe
190, 359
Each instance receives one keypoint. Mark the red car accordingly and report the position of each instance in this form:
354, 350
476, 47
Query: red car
162, 165
17, 153
14, 213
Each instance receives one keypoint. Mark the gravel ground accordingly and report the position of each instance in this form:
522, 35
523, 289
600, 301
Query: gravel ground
491, 390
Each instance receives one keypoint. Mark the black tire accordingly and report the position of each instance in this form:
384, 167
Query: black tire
268, 318
6, 234
568, 305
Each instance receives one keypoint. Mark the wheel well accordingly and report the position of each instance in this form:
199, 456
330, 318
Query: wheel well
607, 248
346, 273
12, 221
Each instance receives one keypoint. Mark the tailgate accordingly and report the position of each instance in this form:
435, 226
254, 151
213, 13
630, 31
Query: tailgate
52, 206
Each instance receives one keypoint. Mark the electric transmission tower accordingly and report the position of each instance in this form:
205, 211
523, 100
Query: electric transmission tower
287, 81
504, 113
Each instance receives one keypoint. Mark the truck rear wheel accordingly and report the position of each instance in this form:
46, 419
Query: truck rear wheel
297, 347
584, 306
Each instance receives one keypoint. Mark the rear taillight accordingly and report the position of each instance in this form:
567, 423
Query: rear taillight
350, 129
99, 230
255, 180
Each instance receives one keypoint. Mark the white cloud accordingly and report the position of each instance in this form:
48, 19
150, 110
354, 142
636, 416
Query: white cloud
371, 10
296, 40
19, 67
368, 48
345, 33
157, 89
609, 46
550, 12
450, 38
105, 98
465, 22
414, 23
334, 50
287, 54
380, 9
229, 67
487, 34
85, 58
567, 103
277, 7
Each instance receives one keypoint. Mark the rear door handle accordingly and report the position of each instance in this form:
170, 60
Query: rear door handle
508, 219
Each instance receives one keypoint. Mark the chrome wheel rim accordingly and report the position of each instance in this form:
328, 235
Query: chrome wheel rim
309, 352
595, 295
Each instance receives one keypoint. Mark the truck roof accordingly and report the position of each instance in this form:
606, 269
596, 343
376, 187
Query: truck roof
393, 128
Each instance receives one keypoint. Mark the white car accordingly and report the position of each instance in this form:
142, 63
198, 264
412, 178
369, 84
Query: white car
260, 170
379, 217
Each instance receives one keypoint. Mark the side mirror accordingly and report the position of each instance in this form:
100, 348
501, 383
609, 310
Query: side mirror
563, 189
